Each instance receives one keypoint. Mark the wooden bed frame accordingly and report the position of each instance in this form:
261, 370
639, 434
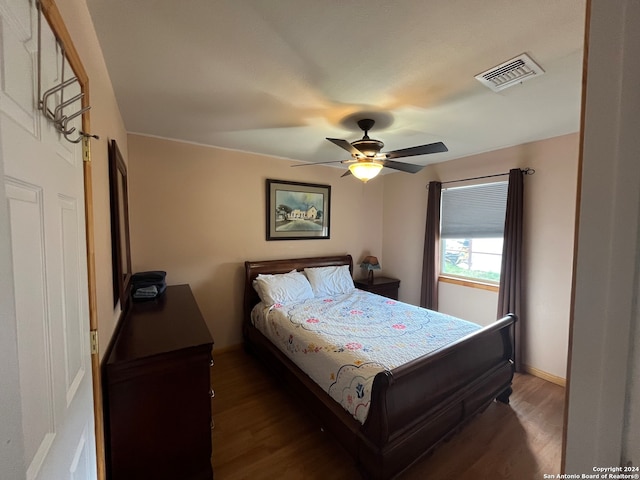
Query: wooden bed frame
413, 407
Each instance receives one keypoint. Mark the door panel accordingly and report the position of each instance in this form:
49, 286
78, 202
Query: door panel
26, 214
75, 347
18, 48
44, 187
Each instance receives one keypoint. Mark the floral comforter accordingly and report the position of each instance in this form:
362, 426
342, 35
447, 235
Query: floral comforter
343, 341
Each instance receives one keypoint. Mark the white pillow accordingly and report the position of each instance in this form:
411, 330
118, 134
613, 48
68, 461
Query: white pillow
282, 288
263, 277
327, 281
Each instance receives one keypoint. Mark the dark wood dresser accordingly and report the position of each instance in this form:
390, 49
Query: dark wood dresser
385, 286
157, 392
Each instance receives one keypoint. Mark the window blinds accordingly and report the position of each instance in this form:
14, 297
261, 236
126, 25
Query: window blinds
476, 211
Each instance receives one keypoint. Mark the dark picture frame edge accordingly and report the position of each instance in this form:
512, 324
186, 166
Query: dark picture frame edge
120, 241
279, 189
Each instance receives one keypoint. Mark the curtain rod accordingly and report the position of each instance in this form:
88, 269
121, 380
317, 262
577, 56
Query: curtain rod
526, 171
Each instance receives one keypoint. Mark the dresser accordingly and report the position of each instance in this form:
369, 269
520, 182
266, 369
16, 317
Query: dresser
157, 392
385, 286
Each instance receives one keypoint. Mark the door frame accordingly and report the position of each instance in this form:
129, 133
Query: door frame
53, 17
604, 308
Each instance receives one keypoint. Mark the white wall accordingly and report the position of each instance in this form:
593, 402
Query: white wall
631, 144
473, 304
605, 308
631, 438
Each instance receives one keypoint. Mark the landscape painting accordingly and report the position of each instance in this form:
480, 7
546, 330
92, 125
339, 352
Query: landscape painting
297, 211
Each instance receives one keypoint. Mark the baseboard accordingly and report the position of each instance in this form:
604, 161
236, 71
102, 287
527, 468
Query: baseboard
545, 376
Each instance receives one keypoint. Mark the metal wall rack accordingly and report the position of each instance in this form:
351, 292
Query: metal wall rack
57, 115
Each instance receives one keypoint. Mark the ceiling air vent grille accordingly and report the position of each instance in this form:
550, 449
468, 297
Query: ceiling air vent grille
510, 73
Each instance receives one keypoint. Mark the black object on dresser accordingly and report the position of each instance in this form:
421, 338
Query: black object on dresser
385, 286
157, 391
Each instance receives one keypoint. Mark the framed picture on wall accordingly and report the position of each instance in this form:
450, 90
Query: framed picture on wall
297, 211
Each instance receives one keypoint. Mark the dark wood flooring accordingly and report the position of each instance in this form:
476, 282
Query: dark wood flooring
262, 433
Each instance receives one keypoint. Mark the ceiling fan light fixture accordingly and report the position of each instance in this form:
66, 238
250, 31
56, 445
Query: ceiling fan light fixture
367, 160
365, 170
368, 147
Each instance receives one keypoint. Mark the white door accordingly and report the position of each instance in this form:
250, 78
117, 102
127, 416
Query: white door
42, 228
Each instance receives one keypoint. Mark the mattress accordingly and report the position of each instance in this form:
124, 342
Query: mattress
343, 341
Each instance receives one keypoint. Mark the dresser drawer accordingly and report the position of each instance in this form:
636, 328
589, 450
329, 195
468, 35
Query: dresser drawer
157, 392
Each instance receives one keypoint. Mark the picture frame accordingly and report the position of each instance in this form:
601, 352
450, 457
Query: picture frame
298, 211
120, 238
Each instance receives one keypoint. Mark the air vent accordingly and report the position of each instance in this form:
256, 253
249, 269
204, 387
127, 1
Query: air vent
510, 73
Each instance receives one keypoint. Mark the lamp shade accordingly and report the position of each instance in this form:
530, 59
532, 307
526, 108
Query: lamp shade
370, 263
364, 170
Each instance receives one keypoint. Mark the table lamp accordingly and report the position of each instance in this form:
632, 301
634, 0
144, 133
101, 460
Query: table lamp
370, 263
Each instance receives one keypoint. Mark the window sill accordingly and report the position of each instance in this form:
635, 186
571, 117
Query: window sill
469, 283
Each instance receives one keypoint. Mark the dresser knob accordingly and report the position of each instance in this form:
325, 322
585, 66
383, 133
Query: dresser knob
212, 393
211, 363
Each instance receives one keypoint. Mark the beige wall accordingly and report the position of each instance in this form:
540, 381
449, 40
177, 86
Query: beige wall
107, 123
198, 183
199, 212
550, 199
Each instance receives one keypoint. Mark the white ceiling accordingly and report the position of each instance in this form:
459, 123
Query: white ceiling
278, 76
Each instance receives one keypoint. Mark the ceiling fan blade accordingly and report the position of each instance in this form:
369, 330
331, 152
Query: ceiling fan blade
345, 174
437, 147
346, 145
404, 167
318, 163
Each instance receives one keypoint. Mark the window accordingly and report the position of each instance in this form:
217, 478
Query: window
472, 230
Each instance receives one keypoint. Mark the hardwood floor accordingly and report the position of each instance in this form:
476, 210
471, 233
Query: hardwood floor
262, 433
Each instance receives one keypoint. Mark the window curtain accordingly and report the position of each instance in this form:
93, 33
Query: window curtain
509, 297
431, 255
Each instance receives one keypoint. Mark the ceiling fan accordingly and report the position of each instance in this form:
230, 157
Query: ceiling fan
367, 160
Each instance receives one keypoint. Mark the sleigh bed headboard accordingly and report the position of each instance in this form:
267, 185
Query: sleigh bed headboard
253, 269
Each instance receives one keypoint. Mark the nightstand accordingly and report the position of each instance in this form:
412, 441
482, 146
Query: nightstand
385, 286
